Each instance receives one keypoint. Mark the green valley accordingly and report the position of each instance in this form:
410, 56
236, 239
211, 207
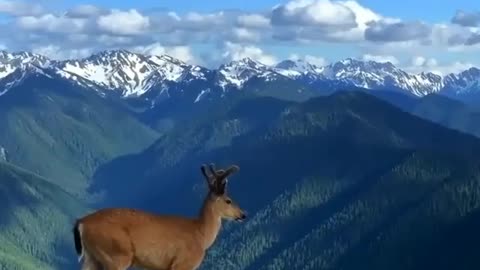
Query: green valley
64, 132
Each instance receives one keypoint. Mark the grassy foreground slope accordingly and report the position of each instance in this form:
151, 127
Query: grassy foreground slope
36, 218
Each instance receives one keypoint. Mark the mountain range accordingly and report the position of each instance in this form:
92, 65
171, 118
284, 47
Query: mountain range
354, 165
152, 78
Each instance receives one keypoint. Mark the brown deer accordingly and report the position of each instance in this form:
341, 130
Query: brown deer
119, 238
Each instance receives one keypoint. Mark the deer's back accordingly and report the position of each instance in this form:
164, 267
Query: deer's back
154, 241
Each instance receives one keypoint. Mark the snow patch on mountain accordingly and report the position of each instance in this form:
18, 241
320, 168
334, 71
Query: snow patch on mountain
160, 76
3, 154
296, 68
237, 73
9, 62
463, 83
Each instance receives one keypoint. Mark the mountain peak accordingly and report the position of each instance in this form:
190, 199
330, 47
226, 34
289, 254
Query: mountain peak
246, 62
131, 74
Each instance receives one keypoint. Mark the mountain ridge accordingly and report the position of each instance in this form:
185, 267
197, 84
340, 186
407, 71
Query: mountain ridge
151, 77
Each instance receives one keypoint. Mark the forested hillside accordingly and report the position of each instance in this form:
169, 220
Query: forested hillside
36, 217
64, 132
346, 181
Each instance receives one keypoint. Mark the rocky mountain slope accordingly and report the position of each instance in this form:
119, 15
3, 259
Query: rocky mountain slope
153, 78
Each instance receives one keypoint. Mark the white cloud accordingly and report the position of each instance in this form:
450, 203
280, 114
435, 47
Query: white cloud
314, 60
20, 8
203, 22
84, 11
363, 16
385, 32
420, 64
420, 61
183, 53
58, 53
51, 23
119, 22
293, 23
3, 47
245, 35
320, 13
466, 18
237, 52
112, 40
253, 21
381, 58
338, 21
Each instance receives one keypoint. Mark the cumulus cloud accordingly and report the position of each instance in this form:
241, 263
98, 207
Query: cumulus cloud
237, 33
244, 35
58, 53
381, 58
203, 22
114, 41
20, 8
85, 11
253, 21
399, 31
183, 53
332, 21
473, 39
119, 22
314, 60
237, 52
469, 19
319, 13
363, 17
51, 23
420, 64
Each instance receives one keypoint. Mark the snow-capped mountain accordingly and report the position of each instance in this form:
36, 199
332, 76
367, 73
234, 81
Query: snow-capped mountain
129, 73
463, 83
237, 73
16, 67
133, 75
374, 75
9, 62
297, 68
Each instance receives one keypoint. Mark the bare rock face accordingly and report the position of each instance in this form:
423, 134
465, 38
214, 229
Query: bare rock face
3, 154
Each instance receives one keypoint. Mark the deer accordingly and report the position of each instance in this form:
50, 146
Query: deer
120, 238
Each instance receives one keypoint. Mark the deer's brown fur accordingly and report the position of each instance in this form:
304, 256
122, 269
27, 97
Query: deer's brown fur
119, 238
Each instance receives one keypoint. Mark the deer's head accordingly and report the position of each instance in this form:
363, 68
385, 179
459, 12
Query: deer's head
217, 184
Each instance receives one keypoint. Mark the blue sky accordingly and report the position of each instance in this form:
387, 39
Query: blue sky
417, 35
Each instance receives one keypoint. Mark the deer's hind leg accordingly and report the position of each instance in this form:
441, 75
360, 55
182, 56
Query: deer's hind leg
113, 251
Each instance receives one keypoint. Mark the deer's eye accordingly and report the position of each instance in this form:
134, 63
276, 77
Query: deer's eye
228, 201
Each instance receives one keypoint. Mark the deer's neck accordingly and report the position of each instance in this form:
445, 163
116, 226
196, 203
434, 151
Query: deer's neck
209, 222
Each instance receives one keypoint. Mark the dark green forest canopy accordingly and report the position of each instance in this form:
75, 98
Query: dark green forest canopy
346, 181
35, 221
